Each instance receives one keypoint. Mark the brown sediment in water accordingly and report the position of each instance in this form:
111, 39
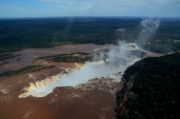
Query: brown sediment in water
89, 101
27, 57
94, 100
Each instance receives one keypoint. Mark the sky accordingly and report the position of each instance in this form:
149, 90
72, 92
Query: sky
119, 8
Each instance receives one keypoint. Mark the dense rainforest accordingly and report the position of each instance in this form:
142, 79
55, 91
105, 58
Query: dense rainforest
151, 89
17, 34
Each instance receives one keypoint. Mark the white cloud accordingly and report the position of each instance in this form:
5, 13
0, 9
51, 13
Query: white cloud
114, 5
96, 8
120, 2
75, 4
85, 5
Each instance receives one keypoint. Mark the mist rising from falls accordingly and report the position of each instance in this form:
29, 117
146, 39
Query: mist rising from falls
119, 59
105, 64
148, 30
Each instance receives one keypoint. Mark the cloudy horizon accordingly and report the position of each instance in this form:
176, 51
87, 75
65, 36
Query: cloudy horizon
116, 8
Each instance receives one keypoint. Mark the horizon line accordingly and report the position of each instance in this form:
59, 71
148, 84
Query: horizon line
49, 17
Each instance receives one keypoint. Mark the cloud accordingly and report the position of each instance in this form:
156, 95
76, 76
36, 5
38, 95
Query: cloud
117, 7
75, 4
90, 8
119, 2
85, 5
60, 1
114, 5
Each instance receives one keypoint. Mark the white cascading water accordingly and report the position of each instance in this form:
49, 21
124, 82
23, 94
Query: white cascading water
118, 58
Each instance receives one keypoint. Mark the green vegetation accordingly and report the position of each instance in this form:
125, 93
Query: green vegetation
4, 63
27, 69
38, 33
151, 89
73, 57
5, 56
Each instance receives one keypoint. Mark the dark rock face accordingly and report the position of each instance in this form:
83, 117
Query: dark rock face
151, 89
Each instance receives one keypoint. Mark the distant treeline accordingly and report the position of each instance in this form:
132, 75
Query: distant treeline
37, 33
